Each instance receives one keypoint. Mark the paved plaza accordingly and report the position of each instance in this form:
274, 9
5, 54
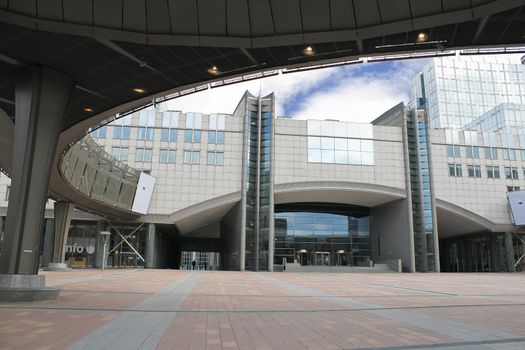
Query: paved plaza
168, 309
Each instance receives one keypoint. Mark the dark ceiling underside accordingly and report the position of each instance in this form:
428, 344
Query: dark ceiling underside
106, 74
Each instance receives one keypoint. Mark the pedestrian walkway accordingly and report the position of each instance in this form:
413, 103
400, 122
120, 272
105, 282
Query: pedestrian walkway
169, 309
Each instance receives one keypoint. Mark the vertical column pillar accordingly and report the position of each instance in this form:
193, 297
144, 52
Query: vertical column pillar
63, 214
494, 258
1, 229
49, 240
41, 99
509, 252
99, 244
151, 254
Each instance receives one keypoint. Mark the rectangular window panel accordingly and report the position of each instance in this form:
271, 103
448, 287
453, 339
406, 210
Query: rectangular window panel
123, 154
341, 144
165, 134
7, 191
219, 158
126, 131
211, 158
197, 136
117, 132
314, 155
187, 157
220, 137
327, 143
367, 158
354, 145
314, 142
188, 136
149, 134
139, 155
163, 158
148, 155
172, 156
327, 156
212, 137
354, 157
195, 157
173, 135
341, 157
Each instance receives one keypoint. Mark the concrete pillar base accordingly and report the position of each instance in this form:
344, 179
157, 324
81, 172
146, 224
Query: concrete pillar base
57, 267
25, 288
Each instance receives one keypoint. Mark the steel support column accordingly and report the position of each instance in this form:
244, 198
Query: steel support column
42, 96
63, 214
509, 252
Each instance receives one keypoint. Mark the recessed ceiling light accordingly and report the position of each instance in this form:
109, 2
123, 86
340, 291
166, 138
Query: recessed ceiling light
213, 70
139, 90
88, 110
309, 50
422, 37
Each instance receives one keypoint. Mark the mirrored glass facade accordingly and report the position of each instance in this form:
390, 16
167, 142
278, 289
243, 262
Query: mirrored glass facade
322, 234
340, 142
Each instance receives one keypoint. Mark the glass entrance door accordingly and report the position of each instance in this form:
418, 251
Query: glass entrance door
322, 258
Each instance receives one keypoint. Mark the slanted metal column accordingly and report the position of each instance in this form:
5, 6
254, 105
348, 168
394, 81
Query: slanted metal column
41, 98
63, 214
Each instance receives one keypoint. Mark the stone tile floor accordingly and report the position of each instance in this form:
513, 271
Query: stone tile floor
168, 309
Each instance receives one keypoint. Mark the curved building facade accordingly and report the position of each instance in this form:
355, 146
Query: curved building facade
250, 191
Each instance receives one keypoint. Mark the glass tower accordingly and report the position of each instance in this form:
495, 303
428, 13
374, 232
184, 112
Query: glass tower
457, 90
257, 199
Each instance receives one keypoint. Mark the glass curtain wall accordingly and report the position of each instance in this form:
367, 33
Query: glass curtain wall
81, 244
321, 234
258, 183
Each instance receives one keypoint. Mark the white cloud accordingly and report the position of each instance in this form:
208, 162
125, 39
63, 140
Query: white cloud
357, 100
353, 93
225, 99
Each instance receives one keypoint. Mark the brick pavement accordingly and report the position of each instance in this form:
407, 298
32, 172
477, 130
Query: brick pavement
168, 309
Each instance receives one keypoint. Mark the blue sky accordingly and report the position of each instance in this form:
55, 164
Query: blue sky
359, 92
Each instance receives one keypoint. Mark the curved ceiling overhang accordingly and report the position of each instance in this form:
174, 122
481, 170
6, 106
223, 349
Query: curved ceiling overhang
243, 23
204, 213
367, 195
454, 220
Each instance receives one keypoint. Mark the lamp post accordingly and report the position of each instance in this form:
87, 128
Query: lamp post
105, 235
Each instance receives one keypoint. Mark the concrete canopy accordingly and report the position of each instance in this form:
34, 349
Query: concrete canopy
112, 48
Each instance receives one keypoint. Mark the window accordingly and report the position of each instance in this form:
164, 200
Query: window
215, 158
474, 170
143, 155
167, 156
453, 151
472, 151
454, 170
509, 154
192, 134
170, 123
493, 172
511, 173
513, 188
192, 157
121, 128
491, 153
147, 124
120, 153
7, 190
340, 150
99, 133
216, 133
